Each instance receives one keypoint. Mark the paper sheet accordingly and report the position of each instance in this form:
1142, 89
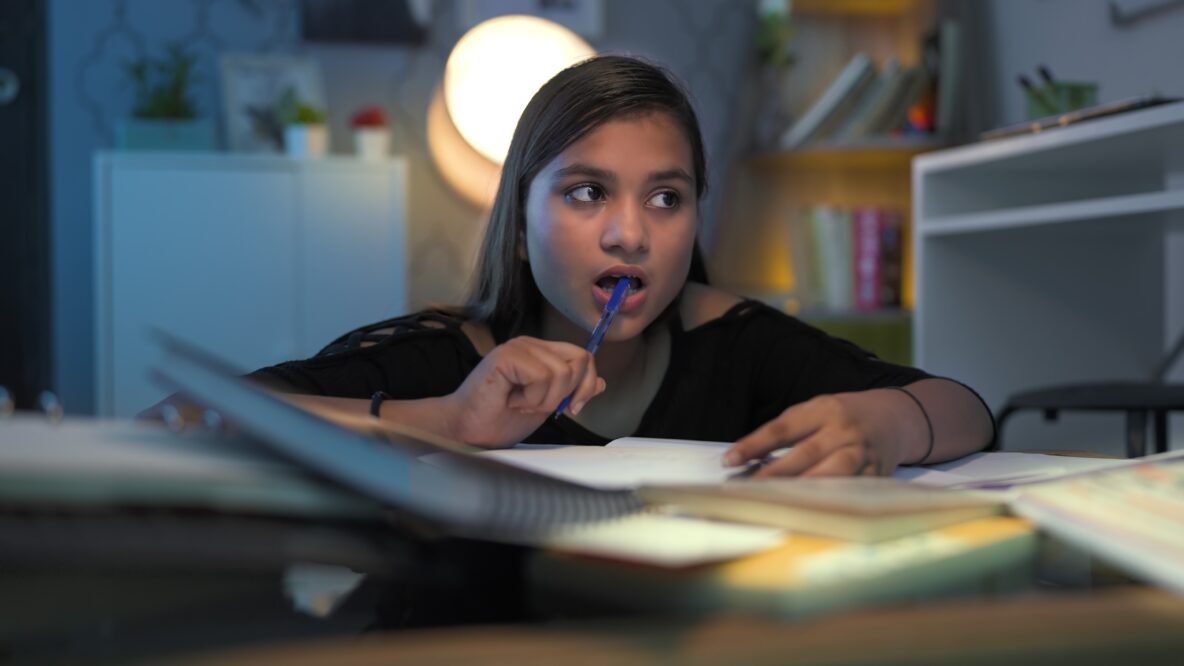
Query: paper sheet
634, 461
622, 466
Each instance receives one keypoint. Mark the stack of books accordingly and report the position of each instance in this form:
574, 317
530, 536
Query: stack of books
868, 104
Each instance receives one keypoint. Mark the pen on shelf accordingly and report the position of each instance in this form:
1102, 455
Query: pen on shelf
1036, 94
1046, 75
606, 318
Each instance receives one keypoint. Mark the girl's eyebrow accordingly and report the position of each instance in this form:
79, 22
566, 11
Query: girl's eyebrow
587, 171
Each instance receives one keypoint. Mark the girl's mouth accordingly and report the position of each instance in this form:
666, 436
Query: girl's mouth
609, 282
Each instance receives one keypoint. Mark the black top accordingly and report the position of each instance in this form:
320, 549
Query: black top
726, 377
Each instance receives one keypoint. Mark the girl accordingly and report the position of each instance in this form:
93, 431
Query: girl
603, 181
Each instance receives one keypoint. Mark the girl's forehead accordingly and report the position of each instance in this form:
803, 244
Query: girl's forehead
652, 136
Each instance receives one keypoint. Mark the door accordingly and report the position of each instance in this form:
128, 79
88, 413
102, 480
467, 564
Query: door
24, 220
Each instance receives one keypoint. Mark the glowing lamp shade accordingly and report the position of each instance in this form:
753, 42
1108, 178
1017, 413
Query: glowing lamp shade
496, 68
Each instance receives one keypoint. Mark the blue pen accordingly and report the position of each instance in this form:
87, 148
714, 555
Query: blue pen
606, 318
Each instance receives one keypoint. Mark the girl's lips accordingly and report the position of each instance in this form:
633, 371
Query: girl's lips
632, 301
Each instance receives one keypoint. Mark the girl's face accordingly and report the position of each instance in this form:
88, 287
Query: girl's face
618, 202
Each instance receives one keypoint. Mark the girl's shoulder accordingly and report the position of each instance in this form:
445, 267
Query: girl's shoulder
436, 321
702, 304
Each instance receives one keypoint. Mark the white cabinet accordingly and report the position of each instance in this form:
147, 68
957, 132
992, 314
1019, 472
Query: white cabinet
258, 258
1053, 258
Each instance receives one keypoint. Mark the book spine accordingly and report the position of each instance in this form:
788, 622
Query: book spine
832, 240
891, 253
855, 74
867, 229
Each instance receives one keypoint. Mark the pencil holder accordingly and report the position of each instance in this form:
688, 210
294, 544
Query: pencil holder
1060, 97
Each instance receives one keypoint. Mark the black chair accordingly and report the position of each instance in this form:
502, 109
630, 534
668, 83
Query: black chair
1140, 400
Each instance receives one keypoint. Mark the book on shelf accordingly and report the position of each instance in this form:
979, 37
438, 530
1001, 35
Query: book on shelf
873, 103
908, 90
833, 253
948, 59
829, 110
847, 260
866, 237
878, 257
804, 266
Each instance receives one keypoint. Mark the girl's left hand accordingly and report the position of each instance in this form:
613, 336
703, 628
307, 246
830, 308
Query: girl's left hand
828, 436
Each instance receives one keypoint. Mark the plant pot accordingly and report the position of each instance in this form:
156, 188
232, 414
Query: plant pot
372, 143
303, 141
180, 135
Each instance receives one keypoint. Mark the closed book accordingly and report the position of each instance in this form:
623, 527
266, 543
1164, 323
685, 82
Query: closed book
891, 258
915, 83
869, 106
838, 97
850, 508
807, 575
867, 224
831, 229
804, 261
949, 76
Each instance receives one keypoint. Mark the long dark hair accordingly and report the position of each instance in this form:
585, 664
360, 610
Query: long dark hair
573, 103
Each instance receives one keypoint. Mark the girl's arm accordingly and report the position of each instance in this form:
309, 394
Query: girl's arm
514, 388
870, 432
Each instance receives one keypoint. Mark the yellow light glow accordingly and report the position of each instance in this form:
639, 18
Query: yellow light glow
468, 172
496, 68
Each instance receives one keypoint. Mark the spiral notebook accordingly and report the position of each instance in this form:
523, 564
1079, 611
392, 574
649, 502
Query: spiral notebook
462, 493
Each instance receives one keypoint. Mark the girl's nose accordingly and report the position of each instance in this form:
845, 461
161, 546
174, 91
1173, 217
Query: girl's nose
625, 230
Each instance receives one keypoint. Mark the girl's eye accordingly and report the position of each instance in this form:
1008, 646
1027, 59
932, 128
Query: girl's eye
586, 193
665, 199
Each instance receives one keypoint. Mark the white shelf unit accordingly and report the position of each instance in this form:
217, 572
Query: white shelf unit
1053, 258
258, 258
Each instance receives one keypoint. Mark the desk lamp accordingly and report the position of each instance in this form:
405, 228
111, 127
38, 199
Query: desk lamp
491, 74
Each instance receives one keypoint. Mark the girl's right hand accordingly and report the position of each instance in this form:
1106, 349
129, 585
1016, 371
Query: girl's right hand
517, 386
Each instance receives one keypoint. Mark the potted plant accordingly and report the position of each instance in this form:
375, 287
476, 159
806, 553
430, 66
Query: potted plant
773, 37
164, 116
305, 133
372, 136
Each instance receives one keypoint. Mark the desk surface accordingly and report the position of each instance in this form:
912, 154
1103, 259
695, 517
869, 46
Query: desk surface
1119, 625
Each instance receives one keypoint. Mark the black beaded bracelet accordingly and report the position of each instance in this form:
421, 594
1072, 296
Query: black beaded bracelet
928, 422
376, 402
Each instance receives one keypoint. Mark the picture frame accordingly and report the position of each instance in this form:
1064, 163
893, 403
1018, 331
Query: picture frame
583, 17
252, 85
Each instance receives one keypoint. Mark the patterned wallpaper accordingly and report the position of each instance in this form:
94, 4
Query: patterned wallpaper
701, 41
704, 42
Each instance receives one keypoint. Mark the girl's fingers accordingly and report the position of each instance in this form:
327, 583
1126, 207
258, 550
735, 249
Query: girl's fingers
544, 373
792, 426
801, 457
588, 386
844, 461
527, 378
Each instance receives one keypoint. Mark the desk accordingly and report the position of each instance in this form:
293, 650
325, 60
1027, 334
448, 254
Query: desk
1121, 625
118, 596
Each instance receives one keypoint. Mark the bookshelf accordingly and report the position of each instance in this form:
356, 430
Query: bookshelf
1054, 258
769, 191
